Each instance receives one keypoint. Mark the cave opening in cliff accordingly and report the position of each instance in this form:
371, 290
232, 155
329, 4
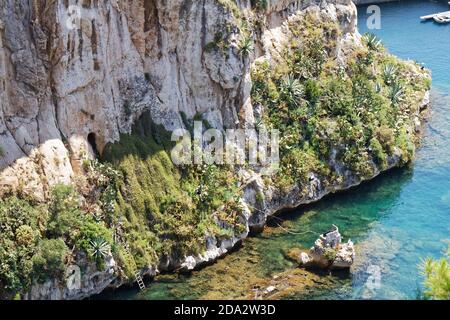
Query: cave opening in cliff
93, 144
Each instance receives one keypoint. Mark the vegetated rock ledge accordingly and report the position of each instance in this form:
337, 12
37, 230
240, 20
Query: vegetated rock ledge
95, 282
291, 201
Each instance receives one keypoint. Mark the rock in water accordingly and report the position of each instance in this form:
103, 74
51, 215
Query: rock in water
345, 256
304, 258
329, 252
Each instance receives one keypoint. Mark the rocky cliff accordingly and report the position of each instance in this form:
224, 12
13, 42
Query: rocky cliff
61, 85
78, 76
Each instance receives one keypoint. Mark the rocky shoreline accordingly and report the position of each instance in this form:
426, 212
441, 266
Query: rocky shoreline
95, 282
74, 110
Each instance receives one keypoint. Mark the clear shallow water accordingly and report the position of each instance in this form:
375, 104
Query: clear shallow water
396, 220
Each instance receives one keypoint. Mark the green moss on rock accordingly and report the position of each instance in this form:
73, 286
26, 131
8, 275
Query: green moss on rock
164, 210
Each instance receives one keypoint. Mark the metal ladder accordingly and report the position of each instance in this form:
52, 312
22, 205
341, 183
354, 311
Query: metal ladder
139, 281
137, 273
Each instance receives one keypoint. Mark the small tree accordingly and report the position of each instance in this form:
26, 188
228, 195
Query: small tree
437, 278
49, 261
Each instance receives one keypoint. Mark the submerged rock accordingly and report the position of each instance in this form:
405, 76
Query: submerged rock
304, 258
270, 289
329, 252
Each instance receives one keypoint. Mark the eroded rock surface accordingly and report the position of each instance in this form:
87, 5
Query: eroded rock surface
70, 87
64, 80
329, 252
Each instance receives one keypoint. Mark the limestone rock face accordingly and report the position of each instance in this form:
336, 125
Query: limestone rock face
73, 70
75, 75
82, 284
65, 78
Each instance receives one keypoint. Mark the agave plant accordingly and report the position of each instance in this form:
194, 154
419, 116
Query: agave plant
246, 46
99, 248
389, 73
372, 41
292, 90
396, 93
378, 87
259, 123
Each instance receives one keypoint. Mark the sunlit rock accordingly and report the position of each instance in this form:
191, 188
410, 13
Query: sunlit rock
329, 252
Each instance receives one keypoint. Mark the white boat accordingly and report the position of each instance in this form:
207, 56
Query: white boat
437, 17
441, 19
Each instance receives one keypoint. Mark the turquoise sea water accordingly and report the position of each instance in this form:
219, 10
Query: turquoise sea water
396, 219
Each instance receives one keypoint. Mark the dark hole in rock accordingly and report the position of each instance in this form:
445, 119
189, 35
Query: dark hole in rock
92, 143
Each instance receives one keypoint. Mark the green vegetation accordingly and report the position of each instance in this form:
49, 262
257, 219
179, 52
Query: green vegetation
246, 47
372, 42
236, 24
330, 254
163, 210
260, 5
73, 224
21, 227
351, 113
232, 6
99, 249
334, 116
220, 43
153, 208
35, 239
50, 259
437, 278
127, 108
